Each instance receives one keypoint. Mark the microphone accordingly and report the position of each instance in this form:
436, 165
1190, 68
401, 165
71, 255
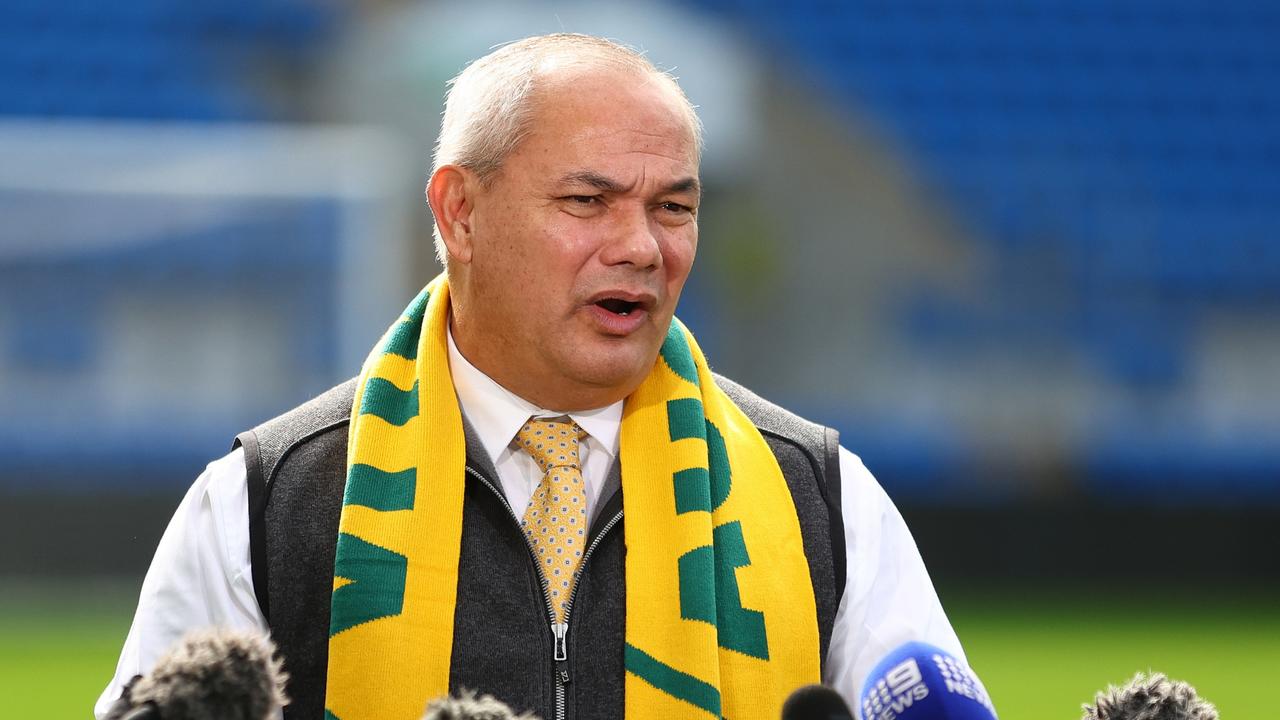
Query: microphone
816, 702
213, 674
918, 681
466, 706
1150, 698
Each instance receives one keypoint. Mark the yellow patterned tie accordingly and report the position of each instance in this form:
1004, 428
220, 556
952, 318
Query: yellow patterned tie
556, 520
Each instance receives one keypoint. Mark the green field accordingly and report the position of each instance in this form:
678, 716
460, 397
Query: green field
1041, 653
60, 644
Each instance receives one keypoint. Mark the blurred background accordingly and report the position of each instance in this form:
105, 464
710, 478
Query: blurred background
1025, 256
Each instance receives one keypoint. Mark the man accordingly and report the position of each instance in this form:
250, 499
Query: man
455, 517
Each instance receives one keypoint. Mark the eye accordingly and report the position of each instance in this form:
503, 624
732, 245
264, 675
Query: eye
583, 206
674, 214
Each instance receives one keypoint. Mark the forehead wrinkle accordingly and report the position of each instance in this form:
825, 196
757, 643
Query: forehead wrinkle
664, 137
607, 184
595, 180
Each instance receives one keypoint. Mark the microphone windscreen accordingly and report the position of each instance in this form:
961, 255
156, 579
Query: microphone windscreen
214, 674
816, 702
1150, 698
918, 681
466, 706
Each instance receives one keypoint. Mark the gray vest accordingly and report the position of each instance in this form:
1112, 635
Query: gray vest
503, 644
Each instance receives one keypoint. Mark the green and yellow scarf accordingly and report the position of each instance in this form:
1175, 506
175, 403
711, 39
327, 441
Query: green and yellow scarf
720, 610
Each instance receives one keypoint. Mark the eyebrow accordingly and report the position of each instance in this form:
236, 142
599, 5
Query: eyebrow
609, 185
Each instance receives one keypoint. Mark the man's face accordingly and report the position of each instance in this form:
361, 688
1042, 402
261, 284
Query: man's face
582, 243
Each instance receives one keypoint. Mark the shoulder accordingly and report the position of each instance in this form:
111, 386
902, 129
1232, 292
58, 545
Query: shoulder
271, 443
802, 448
294, 468
809, 456
797, 443
765, 414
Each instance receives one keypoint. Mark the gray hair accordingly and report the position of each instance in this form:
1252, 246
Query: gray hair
489, 107
1150, 698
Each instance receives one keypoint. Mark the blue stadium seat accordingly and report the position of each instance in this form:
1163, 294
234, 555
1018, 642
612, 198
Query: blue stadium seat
1136, 142
144, 59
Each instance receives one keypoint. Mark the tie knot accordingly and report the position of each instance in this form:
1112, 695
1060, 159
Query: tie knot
551, 443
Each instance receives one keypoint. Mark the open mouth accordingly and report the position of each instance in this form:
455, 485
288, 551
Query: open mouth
617, 306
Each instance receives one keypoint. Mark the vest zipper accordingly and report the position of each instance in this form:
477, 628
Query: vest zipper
573, 590
561, 657
559, 631
562, 629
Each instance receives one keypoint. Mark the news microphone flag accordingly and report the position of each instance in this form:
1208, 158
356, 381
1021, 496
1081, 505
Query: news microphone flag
918, 681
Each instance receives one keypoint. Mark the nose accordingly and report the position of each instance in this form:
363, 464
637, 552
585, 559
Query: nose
636, 240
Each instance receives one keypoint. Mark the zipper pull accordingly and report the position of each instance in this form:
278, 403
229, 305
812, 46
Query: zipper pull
560, 630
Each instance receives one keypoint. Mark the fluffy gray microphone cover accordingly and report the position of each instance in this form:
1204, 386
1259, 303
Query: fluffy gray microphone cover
469, 707
215, 675
1150, 698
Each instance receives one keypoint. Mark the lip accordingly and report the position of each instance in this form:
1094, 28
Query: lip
614, 324
646, 300
611, 323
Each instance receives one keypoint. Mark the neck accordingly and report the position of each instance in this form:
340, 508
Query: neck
549, 393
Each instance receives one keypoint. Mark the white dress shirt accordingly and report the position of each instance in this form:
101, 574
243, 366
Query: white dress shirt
200, 575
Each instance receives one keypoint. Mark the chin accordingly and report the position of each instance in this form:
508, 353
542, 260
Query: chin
622, 378
620, 371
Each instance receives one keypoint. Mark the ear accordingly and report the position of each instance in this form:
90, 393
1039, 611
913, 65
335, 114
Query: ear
450, 194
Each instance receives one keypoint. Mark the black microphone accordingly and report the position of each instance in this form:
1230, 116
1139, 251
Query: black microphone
212, 674
466, 706
816, 702
1150, 698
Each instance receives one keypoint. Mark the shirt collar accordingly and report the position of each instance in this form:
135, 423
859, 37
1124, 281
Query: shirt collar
497, 414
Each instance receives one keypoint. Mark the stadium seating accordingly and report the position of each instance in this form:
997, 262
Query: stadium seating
1127, 150
146, 59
